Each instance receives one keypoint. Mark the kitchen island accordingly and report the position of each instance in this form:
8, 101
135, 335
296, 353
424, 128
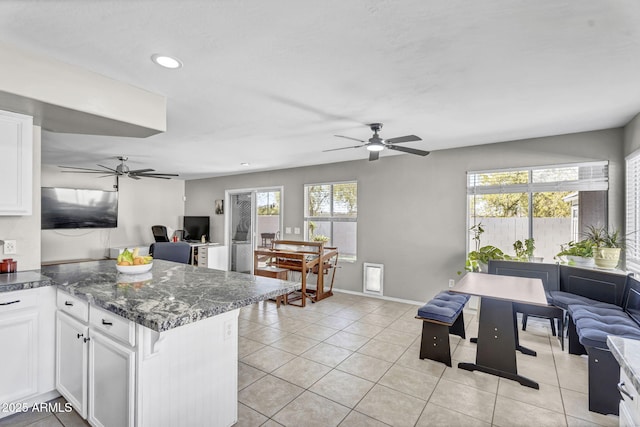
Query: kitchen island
154, 349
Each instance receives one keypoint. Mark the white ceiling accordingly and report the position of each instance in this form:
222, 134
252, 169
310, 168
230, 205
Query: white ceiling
271, 82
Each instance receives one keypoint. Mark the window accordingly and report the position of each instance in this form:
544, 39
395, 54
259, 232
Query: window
331, 214
552, 204
632, 251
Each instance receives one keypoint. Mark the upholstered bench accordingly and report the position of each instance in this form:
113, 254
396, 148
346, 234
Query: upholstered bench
588, 331
441, 316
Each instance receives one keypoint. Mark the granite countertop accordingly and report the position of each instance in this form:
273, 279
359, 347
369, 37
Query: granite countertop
168, 296
22, 280
627, 353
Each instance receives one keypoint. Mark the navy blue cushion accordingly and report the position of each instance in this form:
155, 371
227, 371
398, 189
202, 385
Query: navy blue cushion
450, 296
593, 333
590, 319
440, 310
579, 310
565, 299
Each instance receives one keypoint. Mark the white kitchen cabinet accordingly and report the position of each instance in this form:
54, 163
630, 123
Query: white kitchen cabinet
218, 257
18, 358
71, 361
95, 362
16, 163
111, 382
27, 319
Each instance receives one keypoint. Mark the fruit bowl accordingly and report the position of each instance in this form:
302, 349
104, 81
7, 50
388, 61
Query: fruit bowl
134, 269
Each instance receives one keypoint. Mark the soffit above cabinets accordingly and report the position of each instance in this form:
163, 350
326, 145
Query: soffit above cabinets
68, 99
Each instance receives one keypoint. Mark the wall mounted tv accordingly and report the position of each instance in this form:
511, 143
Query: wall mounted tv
195, 227
78, 208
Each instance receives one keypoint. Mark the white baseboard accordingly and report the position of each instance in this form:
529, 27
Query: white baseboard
406, 301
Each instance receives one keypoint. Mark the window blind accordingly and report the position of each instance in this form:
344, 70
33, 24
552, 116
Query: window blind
592, 176
632, 227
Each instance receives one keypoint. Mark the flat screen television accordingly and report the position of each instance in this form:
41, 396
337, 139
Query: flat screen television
78, 208
195, 227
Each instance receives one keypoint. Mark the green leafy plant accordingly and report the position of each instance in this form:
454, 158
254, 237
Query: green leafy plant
320, 238
482, 256
582, 248
524, 251
602, 238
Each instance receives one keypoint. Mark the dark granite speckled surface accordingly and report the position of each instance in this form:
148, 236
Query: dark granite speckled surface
22, 280
168, 296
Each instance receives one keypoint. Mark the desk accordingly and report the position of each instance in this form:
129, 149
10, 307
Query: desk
497, 332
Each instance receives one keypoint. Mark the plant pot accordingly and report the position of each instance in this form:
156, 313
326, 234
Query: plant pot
536, 259
607, 258
579, 261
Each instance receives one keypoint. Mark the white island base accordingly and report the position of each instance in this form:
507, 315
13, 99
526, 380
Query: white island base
188, 376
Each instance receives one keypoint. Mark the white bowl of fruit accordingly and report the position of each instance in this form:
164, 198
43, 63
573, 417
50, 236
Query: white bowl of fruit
129, 262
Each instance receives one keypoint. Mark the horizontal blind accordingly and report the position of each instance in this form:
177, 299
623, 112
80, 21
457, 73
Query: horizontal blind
592, 176
632, 209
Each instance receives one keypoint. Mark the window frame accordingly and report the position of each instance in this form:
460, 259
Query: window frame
331, 219
632, 216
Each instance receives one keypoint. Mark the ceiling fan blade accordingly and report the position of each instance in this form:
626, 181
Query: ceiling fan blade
109, 169
374, 155
408, 150
134, 177
137, 171
156, 174
88, 171
343, 148
76, 168
348, 137
151, 176
400, 139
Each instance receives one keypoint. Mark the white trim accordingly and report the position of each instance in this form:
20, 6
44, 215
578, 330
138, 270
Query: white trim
383, 297
558, 166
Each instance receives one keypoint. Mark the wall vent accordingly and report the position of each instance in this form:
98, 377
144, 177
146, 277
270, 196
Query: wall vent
373, 278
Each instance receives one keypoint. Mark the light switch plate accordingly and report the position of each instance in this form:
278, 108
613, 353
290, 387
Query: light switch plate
296, 230
287, 230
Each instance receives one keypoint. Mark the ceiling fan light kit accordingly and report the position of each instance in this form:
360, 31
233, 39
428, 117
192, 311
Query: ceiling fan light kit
377, 144
121, 170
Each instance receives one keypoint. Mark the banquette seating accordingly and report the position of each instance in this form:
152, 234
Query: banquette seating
597, 303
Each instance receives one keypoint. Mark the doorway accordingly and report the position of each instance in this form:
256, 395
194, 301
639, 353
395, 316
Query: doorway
254, 219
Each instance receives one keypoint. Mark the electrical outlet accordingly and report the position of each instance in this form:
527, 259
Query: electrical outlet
10, 247
451, 283
287, 230
296, 230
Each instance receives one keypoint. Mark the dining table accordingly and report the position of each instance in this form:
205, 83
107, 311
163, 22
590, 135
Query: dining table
498, 340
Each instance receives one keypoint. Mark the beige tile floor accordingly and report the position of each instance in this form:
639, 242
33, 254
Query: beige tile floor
353, 361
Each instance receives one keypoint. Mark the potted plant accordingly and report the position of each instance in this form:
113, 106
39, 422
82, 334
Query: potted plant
524, 251
578, 253
607, 246
478, 259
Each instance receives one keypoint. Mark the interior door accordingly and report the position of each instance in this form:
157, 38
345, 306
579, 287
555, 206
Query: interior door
241, 231
254, 221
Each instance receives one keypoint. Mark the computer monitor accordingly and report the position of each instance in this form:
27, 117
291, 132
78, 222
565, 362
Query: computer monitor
195, 227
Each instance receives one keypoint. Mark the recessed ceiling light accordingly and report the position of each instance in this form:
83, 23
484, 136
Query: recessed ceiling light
244, 164
166, 61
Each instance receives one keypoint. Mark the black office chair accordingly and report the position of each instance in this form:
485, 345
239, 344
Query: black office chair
171, 251
160, 233
550, 276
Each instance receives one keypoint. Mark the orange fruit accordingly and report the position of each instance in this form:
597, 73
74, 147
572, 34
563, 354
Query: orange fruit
124, 263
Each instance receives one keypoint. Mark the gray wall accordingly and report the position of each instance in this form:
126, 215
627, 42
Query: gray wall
411, 210
632, 136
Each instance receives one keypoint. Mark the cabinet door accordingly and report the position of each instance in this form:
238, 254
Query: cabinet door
71, 361
16, 163
111, 382
18, 357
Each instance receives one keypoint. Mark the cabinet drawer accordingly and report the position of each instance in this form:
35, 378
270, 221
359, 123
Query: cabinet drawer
112, 325
17, 300
73, 306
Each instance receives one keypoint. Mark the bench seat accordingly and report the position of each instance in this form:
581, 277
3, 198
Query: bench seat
441, 316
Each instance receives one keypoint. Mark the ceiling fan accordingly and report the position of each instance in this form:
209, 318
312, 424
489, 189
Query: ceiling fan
377, 144
121, 170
